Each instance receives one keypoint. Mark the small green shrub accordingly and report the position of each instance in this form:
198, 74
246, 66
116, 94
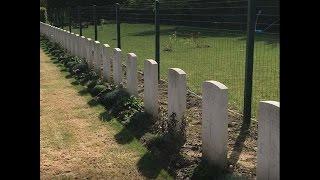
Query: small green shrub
172, 40
97, 89
92, 83
71, 64
82, 81
57, 52
114, 98
82, 67
139, 122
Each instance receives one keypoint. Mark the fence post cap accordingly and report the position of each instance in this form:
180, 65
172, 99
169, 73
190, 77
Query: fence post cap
106, 45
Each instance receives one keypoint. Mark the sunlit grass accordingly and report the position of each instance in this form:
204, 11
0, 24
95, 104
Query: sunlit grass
219, 56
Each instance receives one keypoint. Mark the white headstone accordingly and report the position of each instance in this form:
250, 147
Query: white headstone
117, 66
214, 123
177, 92
150, 97
132, 79
89, 52
106, 62
268, 161
77, 48
96, 56
83, 47
72, 43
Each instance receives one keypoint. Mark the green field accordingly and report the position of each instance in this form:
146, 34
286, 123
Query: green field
210, 55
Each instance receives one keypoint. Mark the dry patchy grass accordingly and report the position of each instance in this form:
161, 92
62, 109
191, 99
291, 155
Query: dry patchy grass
74, 142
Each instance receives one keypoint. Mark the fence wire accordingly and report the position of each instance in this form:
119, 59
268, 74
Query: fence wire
206, 40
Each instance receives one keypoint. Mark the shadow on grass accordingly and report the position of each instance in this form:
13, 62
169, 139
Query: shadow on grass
139, 124
186, 32
163, 154
63, 70
124, 136
83, 92
105, 116
61, 66
75, 83
154, 161
93, 102
150, 165
69, 76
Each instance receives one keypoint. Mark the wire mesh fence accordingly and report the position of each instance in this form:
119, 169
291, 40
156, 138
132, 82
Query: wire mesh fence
138, 32
207, 40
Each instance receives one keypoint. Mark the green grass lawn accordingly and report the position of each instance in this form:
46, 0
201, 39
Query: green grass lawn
212, 55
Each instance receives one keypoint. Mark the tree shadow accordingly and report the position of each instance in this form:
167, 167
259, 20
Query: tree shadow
55, 61
63, 70
136, 127
124, 136
105, 116
164, 154
93, 103
69, 76
83, 92
152, 32
60, 65
151, 164
75, 83
188, 32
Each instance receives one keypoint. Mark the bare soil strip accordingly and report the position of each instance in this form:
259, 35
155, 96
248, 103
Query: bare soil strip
242, 141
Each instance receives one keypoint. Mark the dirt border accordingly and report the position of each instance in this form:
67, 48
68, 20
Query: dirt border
242, 141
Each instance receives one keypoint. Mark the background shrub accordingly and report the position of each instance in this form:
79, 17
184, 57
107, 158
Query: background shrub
43, 14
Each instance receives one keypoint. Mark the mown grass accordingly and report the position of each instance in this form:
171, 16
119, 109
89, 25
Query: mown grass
148, 168
213, 55
146, 165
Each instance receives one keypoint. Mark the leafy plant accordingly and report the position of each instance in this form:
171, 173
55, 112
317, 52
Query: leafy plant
97, 89
195, 40
172, 39
43, 14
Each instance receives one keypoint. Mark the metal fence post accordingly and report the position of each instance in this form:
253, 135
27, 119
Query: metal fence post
118, 25
79, 19
70, 19
55, 17
61, 17
95, 22
249, 62
157, 40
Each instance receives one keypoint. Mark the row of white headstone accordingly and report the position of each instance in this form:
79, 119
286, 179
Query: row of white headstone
214, 99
